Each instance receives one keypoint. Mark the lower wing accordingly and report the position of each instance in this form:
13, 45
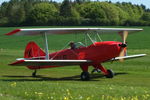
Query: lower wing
127, 57
29, 62
49, 62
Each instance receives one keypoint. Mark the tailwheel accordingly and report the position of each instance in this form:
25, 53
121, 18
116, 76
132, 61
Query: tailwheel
110, 74
85, 76
34, 73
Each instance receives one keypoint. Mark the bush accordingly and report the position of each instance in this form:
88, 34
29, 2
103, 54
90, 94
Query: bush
4, 21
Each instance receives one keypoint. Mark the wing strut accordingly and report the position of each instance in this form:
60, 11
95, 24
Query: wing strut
90, 38
46, 46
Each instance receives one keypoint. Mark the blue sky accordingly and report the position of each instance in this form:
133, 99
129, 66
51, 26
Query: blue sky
145, 2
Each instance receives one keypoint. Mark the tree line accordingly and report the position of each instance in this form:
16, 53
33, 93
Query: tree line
77, 12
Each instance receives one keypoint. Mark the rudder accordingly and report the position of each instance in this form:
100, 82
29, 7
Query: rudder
33, 50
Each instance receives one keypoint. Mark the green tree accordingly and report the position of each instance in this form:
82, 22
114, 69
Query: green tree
3, 14
79, 12
42, 13
134, 12
102, 13
3, 9
65, 8
68, 14
16, 13
146, 16
81, 1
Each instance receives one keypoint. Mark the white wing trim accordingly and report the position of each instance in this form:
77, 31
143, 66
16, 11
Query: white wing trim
51, 62
128, 57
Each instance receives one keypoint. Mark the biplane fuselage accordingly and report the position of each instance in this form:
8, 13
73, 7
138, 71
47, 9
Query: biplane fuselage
98, 52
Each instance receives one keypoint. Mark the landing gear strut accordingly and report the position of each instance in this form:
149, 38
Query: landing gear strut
85, 76
34, 73
108, 73
95, 70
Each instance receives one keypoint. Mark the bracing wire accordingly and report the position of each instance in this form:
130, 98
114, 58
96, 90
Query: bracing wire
99, 37
60, 50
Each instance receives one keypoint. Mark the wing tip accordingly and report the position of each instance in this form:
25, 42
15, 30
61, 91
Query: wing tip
13, 32
17, 62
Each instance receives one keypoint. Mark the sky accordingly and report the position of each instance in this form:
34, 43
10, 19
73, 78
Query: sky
145, 2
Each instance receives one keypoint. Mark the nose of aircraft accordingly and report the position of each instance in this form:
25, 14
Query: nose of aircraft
123, 50
123, 45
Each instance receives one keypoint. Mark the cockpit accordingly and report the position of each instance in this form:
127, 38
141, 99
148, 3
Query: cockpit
76, 45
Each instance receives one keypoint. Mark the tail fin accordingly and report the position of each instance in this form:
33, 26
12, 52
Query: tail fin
33, 50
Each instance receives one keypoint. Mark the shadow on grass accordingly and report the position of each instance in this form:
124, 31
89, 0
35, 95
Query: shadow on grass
94, 77
121, 73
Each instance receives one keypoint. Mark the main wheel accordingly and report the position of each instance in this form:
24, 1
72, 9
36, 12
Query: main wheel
34, 74
85, 76
110, 74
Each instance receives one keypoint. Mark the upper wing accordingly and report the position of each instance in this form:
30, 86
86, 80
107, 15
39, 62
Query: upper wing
49, 62
37, 31
128, 57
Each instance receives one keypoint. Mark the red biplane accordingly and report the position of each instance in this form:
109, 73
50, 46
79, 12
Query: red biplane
84, 56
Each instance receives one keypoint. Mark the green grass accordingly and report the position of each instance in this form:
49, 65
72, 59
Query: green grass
131, 82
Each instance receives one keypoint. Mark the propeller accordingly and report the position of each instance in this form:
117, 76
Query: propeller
123, 45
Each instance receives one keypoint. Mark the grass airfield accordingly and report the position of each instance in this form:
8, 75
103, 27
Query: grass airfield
131, 81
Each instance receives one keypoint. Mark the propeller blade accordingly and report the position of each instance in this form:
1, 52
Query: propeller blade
121, 54
125, 35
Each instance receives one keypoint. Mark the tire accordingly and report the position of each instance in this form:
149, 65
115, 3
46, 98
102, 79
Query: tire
110, 74
85, 76
34, 74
